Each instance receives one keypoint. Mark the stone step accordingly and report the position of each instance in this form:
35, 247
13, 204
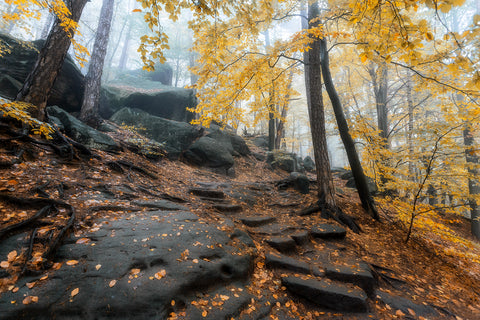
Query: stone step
284, 262
301, 237
208, 193
335, 296
328, 231
358, 274
228, 208
158, 204
257, 221
282, 243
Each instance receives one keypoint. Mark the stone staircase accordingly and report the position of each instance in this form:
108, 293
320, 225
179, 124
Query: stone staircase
342, 283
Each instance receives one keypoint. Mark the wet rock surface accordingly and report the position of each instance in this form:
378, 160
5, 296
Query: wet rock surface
133, 268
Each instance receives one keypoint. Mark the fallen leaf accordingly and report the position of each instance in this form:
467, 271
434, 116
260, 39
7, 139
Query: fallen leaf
260, 265
172, 303
74, 292
195, 261
44, 277
30, 285
30, 299
12, 255
98, 266
399, 313
15, 289
72, 262
224, 297
411, 312
135, 271
159, 275
12, 182
82, 240
57, 265
112, 283
4, 264
204, 313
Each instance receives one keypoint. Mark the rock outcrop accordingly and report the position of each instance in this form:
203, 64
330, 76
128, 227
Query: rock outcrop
18, 61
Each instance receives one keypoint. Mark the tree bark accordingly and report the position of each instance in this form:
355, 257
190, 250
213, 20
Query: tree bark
313, 81
39, 82
380, 88
360, 180
89, 111
473, 184
280, 126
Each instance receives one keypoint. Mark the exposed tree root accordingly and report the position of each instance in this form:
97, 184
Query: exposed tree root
47, 205
336, 214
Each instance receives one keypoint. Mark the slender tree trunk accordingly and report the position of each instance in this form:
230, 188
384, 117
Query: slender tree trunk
317, 117
360, 180
91, 96
281, 122
410, 124
473, 184
381, 95
39, 82
124, 57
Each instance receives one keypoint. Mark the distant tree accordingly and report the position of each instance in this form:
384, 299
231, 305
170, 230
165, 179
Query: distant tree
89, 110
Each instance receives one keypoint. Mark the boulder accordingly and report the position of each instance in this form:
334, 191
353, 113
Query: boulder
175, 136
328, 231
210, 153
229, 140
282, 160
150, 96
309, 164
333, 296
82, 133
261, 141
163, 73
18, 61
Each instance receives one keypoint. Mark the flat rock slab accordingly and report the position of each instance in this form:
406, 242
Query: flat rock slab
282, 244
256, 221
358, 274
132, 268
207, 193
334, 296
284, 262
328, 231
271, 229
159, 204
228, 208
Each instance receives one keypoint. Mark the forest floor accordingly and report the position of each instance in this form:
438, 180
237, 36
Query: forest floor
419, 270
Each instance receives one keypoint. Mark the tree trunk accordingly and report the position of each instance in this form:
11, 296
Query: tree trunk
124, 57
381, 94
281, 122
313, 81
473, 185
39, 82
360, 180
89, 112
411, 165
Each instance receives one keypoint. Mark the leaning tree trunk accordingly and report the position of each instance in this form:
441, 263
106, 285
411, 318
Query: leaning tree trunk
89, 112
313, 80
39, 82
360, 180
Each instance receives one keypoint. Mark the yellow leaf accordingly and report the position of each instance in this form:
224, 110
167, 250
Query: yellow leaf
135, 271
159, 275
82, 240
204, 313
98, 266
74, 292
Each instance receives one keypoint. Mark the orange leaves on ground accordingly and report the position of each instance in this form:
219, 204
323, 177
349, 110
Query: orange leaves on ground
30, 299
72, 262
112, 283
98, 266
12, 182
135, 271
30, 285
4, 264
